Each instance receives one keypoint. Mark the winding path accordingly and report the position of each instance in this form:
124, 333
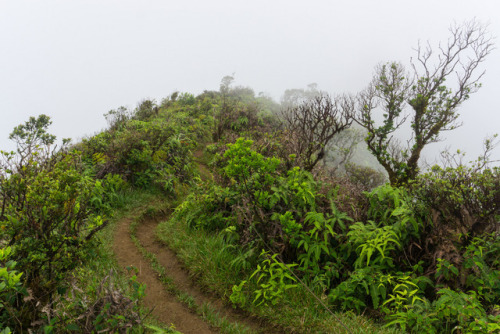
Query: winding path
166, 308
164, 305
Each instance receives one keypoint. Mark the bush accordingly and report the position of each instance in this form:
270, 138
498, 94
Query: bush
47, 218
464, 205
102, 308
367, 177
10, 288
145, 153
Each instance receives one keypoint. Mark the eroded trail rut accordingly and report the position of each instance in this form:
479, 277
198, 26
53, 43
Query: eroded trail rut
165, 306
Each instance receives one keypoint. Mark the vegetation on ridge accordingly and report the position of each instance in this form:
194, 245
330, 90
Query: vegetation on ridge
274, 231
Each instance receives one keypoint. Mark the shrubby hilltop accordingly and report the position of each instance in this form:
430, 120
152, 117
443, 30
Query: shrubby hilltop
265, 205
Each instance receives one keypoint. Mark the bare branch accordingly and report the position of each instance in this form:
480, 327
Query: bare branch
311, 125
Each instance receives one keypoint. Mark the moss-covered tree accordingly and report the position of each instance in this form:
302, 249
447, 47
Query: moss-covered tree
434, 103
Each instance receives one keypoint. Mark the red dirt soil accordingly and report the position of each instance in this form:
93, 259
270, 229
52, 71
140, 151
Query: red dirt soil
166, 308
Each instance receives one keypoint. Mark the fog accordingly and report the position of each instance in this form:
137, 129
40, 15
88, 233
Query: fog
76, 60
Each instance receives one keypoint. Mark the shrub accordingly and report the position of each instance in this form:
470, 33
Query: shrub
367, 177
10, 288
47, 217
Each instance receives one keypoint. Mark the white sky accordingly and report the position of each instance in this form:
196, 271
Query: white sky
74, 60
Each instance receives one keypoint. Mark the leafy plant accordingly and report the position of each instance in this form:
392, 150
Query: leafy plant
318, 242
272, 280
457, 309
482, 265
10, 287
371, 240
446, 270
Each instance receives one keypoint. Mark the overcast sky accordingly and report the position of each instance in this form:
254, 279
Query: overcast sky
74, 60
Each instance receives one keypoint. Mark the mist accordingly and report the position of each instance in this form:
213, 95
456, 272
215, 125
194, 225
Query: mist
76, 60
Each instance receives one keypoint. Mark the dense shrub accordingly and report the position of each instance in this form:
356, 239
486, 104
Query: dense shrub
425, 257
48, 220
146, 153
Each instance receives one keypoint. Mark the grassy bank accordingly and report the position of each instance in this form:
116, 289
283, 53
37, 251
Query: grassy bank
210, 259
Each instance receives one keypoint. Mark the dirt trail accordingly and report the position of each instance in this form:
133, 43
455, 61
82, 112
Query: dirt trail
165, 307
182, 280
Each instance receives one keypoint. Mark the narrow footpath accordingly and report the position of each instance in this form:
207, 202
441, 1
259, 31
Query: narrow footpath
165, 306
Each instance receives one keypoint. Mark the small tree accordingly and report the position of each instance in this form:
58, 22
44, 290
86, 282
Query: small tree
32, 137
221, 118
312, 124
434, 105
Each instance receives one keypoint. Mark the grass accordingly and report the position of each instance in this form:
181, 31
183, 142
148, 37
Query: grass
211, 260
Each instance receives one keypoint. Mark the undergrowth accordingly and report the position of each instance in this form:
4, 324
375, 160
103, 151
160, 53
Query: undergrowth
213, 263
425, 258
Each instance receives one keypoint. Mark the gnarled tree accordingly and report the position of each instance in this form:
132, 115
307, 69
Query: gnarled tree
312, 124
434, 105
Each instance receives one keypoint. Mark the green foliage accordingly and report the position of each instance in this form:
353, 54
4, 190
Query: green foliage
394, 221
32, 135
152, 148
205, 207
249, 168
320, 240
451, 312
482, 265
396, 292
378, 242
272, 280
464, 206
378, 263
301, 188
391, 206
404, 294
352, 293
446, 270
413, 318
409, 254
49, 217
209, 257
461, 193
10, 287
106, 194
